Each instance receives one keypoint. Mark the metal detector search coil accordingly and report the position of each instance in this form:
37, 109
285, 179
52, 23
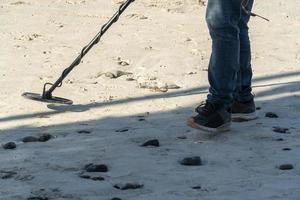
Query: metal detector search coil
47, 94
38, 97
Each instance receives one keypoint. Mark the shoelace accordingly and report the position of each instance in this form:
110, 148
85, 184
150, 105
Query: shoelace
205, 107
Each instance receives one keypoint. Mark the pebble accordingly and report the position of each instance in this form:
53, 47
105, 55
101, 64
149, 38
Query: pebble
191, 161
198, 187
38, 198
279, 139
9, 145
84, 132
30, 139
286, 149
271, 115
128, 186
286, 167
98, 178
280, 130
96, 168
45, 137
182, 137
153, 143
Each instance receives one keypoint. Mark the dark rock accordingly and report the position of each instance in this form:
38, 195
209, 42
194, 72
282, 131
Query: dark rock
279, 139
286, 167
98, 178
38, 198
116, 198
182, 137
84, 176
286, 149
45, 137
96, 168
153, 143
9, 145
198, 187
30, 139
271, 115
84, 132
280, 130
258, 108
141, 119
191, 161
128, 186
7, 174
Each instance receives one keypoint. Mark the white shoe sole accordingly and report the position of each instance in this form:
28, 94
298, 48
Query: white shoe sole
225, 127
239, 117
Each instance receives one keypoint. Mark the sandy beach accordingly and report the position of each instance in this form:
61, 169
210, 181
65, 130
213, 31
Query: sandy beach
140, 83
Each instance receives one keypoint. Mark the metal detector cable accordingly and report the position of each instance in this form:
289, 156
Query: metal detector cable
248, 12
84, 51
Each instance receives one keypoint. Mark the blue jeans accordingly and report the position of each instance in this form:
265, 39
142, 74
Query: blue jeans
229, 71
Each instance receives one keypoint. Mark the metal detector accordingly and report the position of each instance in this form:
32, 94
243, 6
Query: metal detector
46, 96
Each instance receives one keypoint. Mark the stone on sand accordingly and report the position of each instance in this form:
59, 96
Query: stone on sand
9, 145
191, 161
45, 137
128, 186
153, 143
96, 168
286, 167
271, 115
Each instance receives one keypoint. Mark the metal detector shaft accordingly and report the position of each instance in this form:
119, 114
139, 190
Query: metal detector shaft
48, 93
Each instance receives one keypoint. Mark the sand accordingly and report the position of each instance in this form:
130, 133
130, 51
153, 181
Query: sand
160, 43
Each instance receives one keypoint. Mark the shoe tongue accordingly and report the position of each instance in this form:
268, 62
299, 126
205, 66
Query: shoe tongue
208, 108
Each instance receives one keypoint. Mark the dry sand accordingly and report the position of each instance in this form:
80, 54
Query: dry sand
161, 43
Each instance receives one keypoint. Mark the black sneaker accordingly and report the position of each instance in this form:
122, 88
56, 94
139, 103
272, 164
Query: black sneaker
243, 111
210, 117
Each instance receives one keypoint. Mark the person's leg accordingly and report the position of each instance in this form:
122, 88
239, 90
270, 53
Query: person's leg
244, 76
223, 18
243, 107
